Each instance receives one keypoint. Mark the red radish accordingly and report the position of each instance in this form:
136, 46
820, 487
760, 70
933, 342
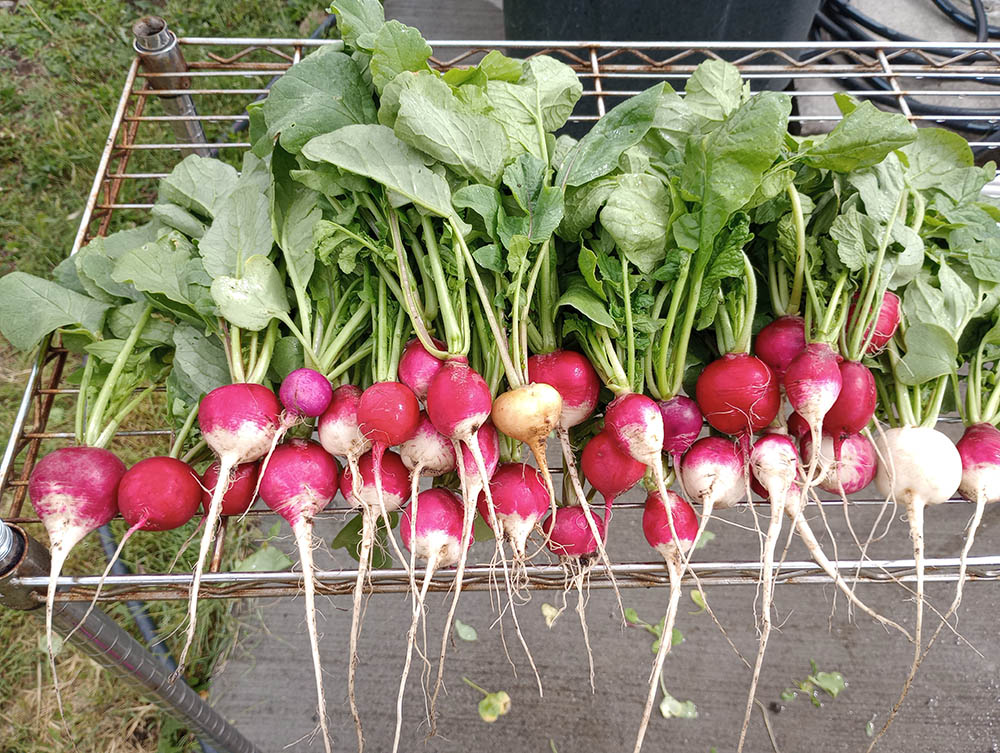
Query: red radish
305, 392
671, 531
417, 367
488, 442
852, 472
573, 377
299, 482
682, 423
779, 342
520, 500
854, 407
609, 470
812, 384
569, 534
774, 462
738, 395
338, 426
239, 494
886, 322
713, 474
432, 530
238, 422
74, 491
921, 467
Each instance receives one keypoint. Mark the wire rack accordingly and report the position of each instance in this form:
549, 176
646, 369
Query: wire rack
226, 74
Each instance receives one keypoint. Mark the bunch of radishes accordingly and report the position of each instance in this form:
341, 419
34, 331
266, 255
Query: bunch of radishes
430, 304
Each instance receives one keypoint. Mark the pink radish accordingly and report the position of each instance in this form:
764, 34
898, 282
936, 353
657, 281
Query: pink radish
812, 384
305, 392
774, 462
886, 322
573, 377
432, 530
852, 472
299, 482
671, 531
797, 426
417, 367
921, 467
713, 474
609, 470
569, 535
520, 500
338, 426
738, 395
779, 342
682, 423
239, 494
74, 491
854, 407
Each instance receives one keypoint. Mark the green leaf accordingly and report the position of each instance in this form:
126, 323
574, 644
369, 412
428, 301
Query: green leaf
199, 184
831, 683
159, 268
543, 205
493, 706
847, 231
264, 560
582, 204
465, 632
318, 95
432, 119
931, 352
598, 152
715, 90
632, 616
706, 538
578, 295
862, 139
199, 362
499, 67
933, 157
377, 153
294, 213
254, 299
490, 257
483, 200
241, 229
671, 708
698, 600
879, 187
179, 218
398, 48
31, 307
636, 215
349, 539
287, 357
551, 614
356, 18
587, 262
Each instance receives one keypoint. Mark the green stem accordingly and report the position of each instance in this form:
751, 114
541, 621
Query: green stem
344, 335
191, 454
884, 399
429, 305
725, 341
813, 303
381, 335
236, 355
409, 300
471, 684
667, 333
108, 433
451, 326
795, 298
306, 345
778, 303
252, 347
903, 405
547, 296
827, 332
396, 348
629, 329
621, 382
358, 355
117, 367
742, 344
263, 362
919, 207
81, 399
930, 416
332, 330
182, 435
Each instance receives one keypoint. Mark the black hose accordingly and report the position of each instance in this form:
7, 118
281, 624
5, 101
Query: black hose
972, 24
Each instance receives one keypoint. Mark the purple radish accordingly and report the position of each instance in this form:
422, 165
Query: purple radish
713, 474
812, 384
779, 342
299, 482
74, 491
305, 392
671, 531
852, 472
417, 367
432, 530
569, 535
239, 423
774, 462
609, 470
239, 494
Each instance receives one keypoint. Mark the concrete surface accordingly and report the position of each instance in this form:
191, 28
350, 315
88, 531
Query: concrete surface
954, 706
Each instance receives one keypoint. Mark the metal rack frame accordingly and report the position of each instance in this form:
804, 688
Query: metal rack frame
229, 73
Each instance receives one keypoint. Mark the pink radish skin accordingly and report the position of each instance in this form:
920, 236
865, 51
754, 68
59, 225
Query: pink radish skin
797, 426
239, 423
458, 401
417, 367
395, 483
568, 533
812, 384
738, 395
339, 432
779, 342
305, 392
159, 494
852, 472
428, 451
774, 462
520, 500
713, 474
74, 491
609, 470
300, 481
671, 531
854, 407
432, 530
886, 322
388, 413
573, 377
682, 423
238, 496
489, 449
634, 421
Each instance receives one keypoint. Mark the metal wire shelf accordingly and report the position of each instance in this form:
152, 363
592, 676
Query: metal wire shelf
226, 74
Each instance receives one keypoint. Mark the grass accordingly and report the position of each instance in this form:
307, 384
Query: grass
62, 65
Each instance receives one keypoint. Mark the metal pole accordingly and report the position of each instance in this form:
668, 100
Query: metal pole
100, 638
159, 52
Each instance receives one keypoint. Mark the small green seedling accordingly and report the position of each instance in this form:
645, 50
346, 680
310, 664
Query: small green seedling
632, 617
831, 683
494, 705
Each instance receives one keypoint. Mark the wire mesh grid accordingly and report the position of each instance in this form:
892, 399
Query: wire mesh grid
226, 74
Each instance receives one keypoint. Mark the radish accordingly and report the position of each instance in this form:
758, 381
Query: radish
417, 367
854, 407
713, 474
885, 324
922, 467
239, 494
305, 392
339, 432
573, 377
738, 395
682, 423
609, 470
238, 423
797, 426
569, 535
852, 472
671, 531
299, 482
812, 384
529, 414
74, 491
774, 462
520, 500
432, 530
779, 342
